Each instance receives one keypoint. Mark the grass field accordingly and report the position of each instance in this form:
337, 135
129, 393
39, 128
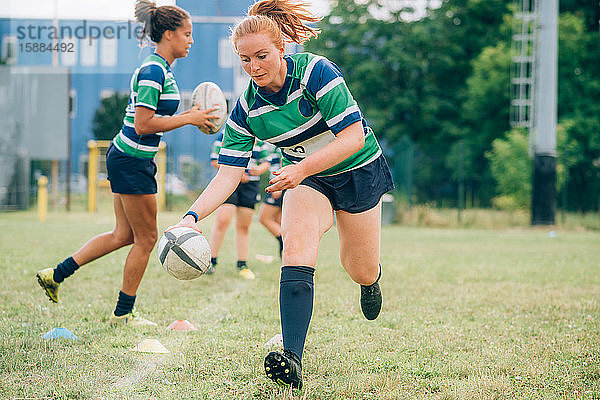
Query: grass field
468, 314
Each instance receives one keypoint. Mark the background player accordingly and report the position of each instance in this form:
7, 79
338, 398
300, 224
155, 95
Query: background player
131, 170
241, 205
270, 210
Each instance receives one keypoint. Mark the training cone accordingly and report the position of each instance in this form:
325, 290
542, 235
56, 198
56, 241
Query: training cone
150, 346
59, 333
276, 340
182, 325
264, 258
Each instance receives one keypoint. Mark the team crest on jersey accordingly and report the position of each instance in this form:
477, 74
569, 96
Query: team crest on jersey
305, 108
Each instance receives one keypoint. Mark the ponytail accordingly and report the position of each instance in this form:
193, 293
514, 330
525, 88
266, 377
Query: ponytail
157, 20
283, 20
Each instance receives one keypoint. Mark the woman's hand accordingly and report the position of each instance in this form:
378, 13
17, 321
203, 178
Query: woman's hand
287, 177
201, 118
245, 178
188, 221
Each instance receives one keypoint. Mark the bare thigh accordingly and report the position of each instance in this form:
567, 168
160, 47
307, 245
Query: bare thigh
360, 239
306, 216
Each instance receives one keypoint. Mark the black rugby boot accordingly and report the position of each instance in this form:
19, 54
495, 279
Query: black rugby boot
370, 299
284, 369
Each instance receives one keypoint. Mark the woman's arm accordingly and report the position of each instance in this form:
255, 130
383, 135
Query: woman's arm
147, 123
350, 140
217, 191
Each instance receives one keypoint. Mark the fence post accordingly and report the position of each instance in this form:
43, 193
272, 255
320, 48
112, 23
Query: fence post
92, 174
42, 197
162, 171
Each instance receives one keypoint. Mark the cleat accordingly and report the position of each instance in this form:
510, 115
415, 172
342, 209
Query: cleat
45, 278
210, 270
247, 274
130, 319
370, 300
290, 376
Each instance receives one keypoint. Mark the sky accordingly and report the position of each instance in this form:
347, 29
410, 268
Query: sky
104, 9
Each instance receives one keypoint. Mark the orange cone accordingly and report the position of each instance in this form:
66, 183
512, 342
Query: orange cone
182, 325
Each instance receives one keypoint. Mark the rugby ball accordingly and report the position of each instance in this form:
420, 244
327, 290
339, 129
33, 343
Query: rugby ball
209, 95
184, 253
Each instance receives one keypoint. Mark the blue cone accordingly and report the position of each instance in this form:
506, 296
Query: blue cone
59, 333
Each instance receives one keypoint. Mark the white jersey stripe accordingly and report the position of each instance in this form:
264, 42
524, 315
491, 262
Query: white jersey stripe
262, 110
147, 82
244, 104
156, 63
340, 117
235, 153
238, 128
313, 121
135, 145
329, 86
171, 96
309, 69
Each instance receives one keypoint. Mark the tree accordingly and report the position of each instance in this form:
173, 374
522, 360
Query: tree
108, 118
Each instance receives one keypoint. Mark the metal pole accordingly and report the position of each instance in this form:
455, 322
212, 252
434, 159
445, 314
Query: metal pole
543, 203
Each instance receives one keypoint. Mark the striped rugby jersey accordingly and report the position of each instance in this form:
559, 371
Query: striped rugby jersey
274, 158
260, 153
306, 114
152, 86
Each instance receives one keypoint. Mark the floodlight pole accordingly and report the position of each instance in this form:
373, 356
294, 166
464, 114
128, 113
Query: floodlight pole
543, 201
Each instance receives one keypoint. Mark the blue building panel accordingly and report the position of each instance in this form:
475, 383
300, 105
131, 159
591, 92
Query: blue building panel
105, 54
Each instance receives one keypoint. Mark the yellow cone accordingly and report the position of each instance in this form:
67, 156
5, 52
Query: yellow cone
150, 346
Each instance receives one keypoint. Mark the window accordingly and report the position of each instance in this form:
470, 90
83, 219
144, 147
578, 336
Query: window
9, 49
73, 103
108, 52
89, 52
226, 54
69, 56
186, 100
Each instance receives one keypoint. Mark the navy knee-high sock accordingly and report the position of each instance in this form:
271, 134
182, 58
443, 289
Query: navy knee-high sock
65, 269
296, 291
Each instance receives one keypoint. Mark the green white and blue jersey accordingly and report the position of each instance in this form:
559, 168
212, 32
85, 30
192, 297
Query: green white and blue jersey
259, 154
152, 86
273, 157
305, 115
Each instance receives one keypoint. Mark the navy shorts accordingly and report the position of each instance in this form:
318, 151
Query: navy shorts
245, 195
271, 201
356, 190
130, 175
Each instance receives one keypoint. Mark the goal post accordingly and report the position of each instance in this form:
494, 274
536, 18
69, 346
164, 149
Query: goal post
97, 173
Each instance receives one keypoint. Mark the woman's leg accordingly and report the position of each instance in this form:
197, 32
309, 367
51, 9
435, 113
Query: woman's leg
224, 215
307, 215
140, 210
121, 235
360, 238
242, 232
270, 217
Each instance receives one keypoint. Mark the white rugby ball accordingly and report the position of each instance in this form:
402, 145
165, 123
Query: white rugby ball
184, 253
209, 95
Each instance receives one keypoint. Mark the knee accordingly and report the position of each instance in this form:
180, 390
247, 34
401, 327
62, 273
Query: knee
243, 228
263, 218
147, 240
362, 274
123, 238
222, 222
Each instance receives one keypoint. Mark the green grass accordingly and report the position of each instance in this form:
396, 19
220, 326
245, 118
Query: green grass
468, 314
